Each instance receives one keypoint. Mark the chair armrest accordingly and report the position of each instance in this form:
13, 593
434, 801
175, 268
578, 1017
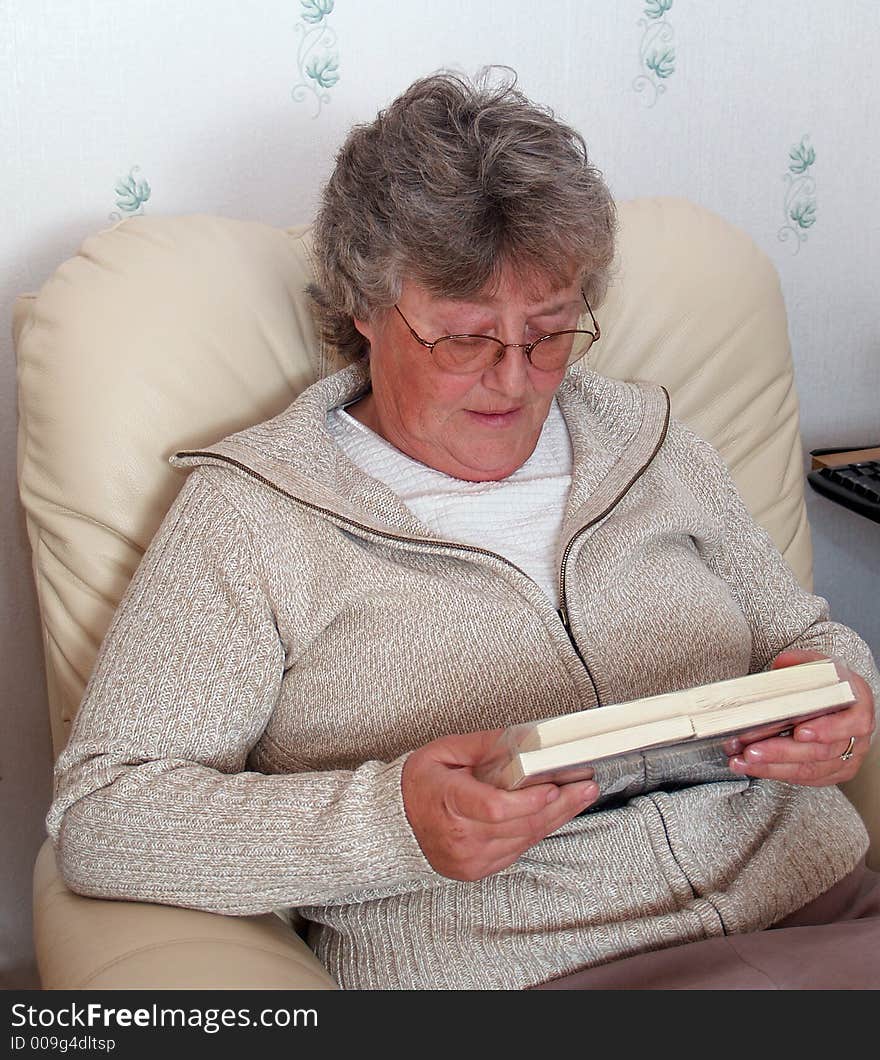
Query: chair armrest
92, 944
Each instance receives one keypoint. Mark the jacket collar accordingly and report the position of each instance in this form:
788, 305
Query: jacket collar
615, 428
295, 454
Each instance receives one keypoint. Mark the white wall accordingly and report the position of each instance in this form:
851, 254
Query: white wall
210, 105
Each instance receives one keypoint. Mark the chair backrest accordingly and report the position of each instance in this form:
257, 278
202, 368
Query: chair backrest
165, 333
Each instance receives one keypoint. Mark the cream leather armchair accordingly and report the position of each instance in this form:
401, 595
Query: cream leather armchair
166, 333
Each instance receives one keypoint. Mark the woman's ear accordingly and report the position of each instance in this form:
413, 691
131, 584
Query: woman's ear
364, 327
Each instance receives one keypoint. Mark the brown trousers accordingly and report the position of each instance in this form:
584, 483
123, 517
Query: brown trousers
832, 943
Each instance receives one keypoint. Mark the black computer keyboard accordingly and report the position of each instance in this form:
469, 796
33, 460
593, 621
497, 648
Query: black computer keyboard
855, 486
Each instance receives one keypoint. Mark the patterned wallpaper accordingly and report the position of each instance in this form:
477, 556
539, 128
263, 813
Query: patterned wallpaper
656, 51
316, 56
316, 70
800, 194
110, 108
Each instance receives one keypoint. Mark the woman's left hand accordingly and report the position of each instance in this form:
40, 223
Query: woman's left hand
813, 753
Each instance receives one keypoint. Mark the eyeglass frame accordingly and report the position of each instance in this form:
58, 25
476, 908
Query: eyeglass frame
527, 347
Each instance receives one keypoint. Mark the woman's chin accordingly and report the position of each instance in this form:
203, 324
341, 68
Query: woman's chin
491, 464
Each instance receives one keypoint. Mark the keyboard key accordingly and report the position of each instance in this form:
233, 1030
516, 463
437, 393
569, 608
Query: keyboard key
855, 486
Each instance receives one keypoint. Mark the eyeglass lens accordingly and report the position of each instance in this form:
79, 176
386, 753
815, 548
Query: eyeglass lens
468, 353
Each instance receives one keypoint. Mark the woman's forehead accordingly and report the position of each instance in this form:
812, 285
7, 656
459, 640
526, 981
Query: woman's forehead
532, 292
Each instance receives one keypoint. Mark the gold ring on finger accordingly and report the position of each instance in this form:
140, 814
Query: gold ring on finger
848, 753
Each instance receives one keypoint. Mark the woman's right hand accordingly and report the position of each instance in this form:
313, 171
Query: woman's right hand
467, 829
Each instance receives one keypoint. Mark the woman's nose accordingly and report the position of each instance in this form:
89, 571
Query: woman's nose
509, 374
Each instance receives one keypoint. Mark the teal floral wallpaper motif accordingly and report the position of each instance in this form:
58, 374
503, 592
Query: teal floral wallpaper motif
316, 55
131, 194
800, 195
656, 51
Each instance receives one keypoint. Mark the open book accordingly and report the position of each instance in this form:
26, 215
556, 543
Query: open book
754, 707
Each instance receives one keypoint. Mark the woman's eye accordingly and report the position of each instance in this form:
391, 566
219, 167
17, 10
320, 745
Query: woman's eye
535, 331
557, 322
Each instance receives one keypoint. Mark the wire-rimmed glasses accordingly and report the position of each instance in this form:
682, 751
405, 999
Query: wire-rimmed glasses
462, 354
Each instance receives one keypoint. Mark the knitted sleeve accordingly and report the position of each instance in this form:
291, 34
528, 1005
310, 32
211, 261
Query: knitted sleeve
153, 799
779, 611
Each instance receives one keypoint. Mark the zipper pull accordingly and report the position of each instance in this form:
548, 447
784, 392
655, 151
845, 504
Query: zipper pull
563, 614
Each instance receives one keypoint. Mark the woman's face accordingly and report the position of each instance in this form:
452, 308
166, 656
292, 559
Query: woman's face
481, 426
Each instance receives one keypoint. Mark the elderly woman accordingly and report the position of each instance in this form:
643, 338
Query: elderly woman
453, 534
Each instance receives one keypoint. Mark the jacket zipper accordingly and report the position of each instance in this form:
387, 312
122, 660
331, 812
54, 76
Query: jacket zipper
562, 612
563, 615
344, 518
563, 606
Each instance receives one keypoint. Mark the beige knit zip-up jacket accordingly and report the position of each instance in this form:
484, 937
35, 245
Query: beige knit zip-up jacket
294, 631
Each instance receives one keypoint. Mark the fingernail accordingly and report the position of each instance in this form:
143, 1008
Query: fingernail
754, 754
737, 763
588, 791
552, 795
805, 734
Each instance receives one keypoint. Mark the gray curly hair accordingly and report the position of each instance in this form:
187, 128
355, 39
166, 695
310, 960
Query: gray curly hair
452, 183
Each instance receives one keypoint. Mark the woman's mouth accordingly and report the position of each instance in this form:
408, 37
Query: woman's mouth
495, 419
